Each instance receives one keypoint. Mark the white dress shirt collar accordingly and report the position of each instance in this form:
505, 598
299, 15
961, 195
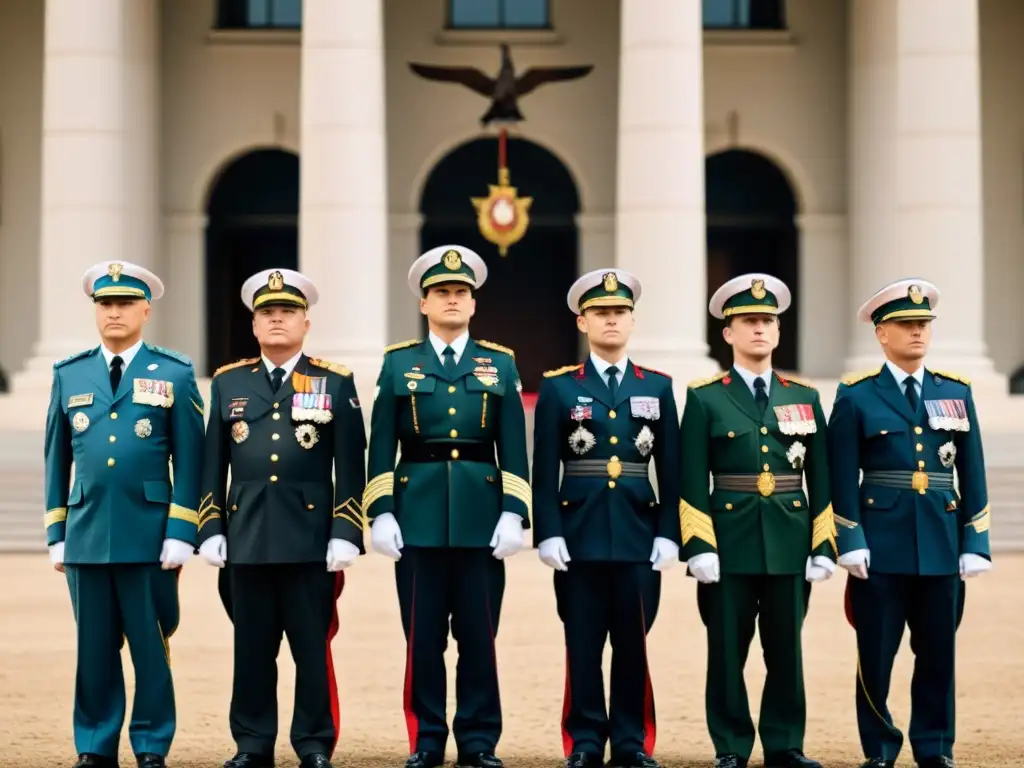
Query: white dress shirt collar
458, 345
288, 365
749, 376
127, 356
601, 366
901, 376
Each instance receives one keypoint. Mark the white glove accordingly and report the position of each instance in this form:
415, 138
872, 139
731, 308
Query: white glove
508, 535
215, 550
665, 554
856, 561
704, 567
340, 554
554, 553
819, 568
386, 536
972, 565
175, 554
57, 556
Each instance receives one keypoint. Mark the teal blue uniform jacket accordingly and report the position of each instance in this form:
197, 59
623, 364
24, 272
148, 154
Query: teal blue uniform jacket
604, 519
873, 428
122, 502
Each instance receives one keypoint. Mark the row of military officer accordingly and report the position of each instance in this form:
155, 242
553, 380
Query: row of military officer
285, 423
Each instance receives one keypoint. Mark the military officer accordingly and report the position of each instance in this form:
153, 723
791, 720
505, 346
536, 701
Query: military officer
450, 511
122, 412
756, 542
905, 534
282, 422
602, 422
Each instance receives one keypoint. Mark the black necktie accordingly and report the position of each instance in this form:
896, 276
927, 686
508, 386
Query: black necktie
911, 393
760, 394
276, 377
115, 373
613, 381
449, 360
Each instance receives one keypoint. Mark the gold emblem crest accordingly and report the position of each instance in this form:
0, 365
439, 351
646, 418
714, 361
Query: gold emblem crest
914, 292
114, 270
276, 281
611, 282
80, 422
451, 260
143, 428
239, 431
757, 289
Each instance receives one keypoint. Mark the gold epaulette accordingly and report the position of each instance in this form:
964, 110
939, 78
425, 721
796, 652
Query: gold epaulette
952, 376
801, 382
236, 364
496, 347
698, 383
332, 367
849, 379
401, 345
563, 369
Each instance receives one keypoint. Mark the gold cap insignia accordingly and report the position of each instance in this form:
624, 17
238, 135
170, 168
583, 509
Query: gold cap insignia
276, 281
757, 289
914, 292
611, 282
114, 270
452, 260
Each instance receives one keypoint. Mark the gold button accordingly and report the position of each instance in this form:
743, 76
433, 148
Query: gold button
920, 447
764, 449
766, 468
650, 504
273, 457
110, 462
455, 453
277, 416
113, 416
764, 430
920, 464
234, 507
611, 483
796, 504
451, 388
871, 501
565, 503
613, 440
113, 439
732, 434
403, 480
275, 436
614, 458
453, 433
884, 432
490, 478
728, 506
309, 506
451, 411
273, 478
918, 430
611, 414
276, 406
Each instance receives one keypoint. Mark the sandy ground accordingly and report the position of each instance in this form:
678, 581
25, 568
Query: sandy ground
37, 657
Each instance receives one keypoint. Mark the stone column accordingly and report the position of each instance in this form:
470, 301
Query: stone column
343, 239
660, 230
99, 150
916, 168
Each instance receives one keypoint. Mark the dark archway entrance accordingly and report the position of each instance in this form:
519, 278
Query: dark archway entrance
522, 305
751, 220
252, 224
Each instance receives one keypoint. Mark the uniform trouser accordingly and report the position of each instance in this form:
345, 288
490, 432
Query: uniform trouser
729, 609
931, 606
465, 587
297, 600
112, 603
598, 600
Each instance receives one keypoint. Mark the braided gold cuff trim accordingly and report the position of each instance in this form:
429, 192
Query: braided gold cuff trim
55, 515
178, 512
208, 517
981, 522
351, 512
695, 523
824, 529
518, 488
844, 522
380, 486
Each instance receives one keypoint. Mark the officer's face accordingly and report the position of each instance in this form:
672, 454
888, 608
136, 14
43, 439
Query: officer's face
121, 319
906, 339
606, 326
752, 336
448, 306
279, 327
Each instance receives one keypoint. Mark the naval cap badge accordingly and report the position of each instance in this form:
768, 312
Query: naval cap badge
757, 289
914, 292
611, 282
276, 281
452, 259
114, 270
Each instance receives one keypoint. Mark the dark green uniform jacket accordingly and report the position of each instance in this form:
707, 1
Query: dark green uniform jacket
448, 488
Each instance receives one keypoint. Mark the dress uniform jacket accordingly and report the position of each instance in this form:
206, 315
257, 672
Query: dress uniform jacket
113, 517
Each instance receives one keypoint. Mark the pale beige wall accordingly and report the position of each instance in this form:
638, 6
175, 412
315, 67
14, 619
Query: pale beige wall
21, 105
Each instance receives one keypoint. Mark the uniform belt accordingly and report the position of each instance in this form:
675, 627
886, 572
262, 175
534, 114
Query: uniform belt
612, 468
904, 478
765, 483
445, 450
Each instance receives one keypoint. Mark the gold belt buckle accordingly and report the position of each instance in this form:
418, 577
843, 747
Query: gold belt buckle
614, 469
766, 483
919, 482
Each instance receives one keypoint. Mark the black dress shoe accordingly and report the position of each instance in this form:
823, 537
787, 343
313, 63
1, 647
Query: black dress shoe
89, 760
315, 760
634, 760
150, 760
250, 760
878, 762
478, 760
791, 758
584, 760
936, 761
730, 761
424, 760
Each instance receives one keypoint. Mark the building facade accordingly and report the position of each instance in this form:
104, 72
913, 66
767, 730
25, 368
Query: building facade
835, 143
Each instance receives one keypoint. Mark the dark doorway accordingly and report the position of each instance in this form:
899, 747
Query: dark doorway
751, 219
522, 304
252, 224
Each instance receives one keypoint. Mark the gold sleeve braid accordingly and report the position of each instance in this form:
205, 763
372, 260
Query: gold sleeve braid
351, 512
178, 512
981, 522
380, 486
693, 523
207, 511
518, 488
824, 529
56, 515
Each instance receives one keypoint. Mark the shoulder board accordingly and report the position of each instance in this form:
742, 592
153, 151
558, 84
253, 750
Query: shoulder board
495, 347
795, 380
332, 367
952, 376
698, 383
654, 370
849, 379
562, 370
401, 345
236, 364
181, 358
69, 358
